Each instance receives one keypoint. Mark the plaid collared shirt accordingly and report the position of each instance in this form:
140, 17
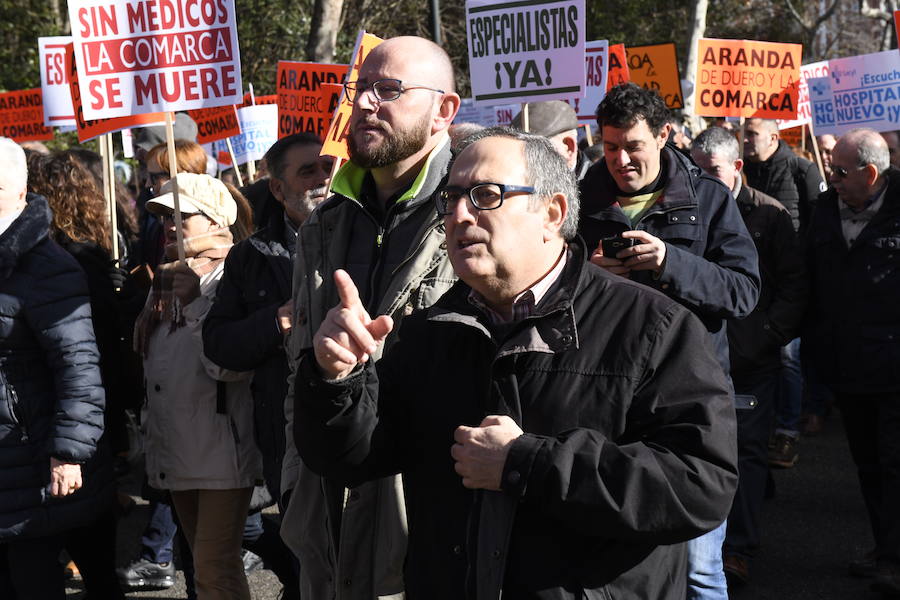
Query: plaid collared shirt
853, 222
525, 303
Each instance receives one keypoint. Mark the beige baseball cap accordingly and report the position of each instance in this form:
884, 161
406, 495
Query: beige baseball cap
197, 194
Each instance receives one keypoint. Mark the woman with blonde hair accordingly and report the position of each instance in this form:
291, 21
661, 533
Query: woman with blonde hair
197, 418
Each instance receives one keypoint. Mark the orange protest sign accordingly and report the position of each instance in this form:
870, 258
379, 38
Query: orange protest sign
618, 67
22, 116
303, 104
743, 78
257, 100
792, 136
214, 124
88, 130
655, 67
897, 26
336, 141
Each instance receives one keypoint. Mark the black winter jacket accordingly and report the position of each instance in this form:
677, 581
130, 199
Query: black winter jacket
711, 262
629, 446
853, 330
51, 397
755, 341
790, 179
240, 333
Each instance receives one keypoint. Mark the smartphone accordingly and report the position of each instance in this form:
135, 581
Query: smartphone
613, 245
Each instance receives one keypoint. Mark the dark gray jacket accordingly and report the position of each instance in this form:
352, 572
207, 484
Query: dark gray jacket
51, 397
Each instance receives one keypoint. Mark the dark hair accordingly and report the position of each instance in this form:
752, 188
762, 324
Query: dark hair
626, 104
275, 156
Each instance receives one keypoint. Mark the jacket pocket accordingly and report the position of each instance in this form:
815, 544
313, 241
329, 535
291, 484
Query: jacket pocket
676, 225
429, 290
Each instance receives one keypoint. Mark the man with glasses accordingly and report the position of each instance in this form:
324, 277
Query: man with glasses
853, 253
683, 236
561, 431
381, 227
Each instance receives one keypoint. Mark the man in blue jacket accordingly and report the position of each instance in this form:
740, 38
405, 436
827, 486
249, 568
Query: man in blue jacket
681, 234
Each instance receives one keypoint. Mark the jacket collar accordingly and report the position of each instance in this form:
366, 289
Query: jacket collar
679, 173
550, 330
30, 229
348, 181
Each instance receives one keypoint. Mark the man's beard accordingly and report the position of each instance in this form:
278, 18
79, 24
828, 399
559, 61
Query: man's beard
306, 203
403, 143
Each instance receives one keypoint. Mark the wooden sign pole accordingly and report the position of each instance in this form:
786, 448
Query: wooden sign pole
237, 169
113, 215
173, 173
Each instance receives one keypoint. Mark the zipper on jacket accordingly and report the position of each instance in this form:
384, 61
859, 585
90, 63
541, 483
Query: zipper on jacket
13, 404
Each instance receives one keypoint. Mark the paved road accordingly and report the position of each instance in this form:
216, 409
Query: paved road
813, 526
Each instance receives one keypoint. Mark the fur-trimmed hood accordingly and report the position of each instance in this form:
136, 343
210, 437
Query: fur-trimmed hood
27, 231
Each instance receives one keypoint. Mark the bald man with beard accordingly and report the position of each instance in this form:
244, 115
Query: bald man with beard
381, 227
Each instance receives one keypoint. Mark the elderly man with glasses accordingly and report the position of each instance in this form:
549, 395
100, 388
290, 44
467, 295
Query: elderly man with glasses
381, 227
853, 253
561, 431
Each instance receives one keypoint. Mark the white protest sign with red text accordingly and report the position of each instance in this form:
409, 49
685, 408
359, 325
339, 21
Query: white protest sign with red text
58, 109
140, 56
596, 65
804, 111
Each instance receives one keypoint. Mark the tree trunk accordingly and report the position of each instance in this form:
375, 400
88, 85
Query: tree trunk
698, 29
323, 30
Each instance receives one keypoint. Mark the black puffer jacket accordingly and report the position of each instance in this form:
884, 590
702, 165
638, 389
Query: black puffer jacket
790, 179
628, 447
240, 333
51, 398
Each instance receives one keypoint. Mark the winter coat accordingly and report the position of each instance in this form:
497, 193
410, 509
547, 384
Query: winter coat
628, 451
51, 397
198, 433
755, 341
790, 179
241, 333
407, 269
711, 262
853, 326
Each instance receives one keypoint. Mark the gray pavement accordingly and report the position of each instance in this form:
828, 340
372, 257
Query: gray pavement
815, 524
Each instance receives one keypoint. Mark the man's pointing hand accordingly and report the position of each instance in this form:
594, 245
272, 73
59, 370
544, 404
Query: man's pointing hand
348, 336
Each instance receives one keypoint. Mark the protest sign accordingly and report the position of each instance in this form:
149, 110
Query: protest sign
336, 140
215, 124
89, 129
525, 51
303, 104
617, 72
804, 112
655, 67
860, 91
259, 130
22, 116
58, 110
897, 26
252, 100
140, 56
596, 63
745, 78
792, 136
487, 116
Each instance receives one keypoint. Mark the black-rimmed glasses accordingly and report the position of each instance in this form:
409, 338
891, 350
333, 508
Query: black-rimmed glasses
483, 196
384, 90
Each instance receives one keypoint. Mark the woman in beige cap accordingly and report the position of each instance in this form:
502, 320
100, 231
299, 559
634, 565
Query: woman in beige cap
197, 417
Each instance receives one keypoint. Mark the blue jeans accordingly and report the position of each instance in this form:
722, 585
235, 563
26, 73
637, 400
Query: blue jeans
706, 578
790, 391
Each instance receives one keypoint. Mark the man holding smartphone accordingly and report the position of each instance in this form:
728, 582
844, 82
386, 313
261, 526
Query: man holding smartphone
690, 243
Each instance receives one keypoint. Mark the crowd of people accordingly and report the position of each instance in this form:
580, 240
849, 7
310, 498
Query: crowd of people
472, 363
